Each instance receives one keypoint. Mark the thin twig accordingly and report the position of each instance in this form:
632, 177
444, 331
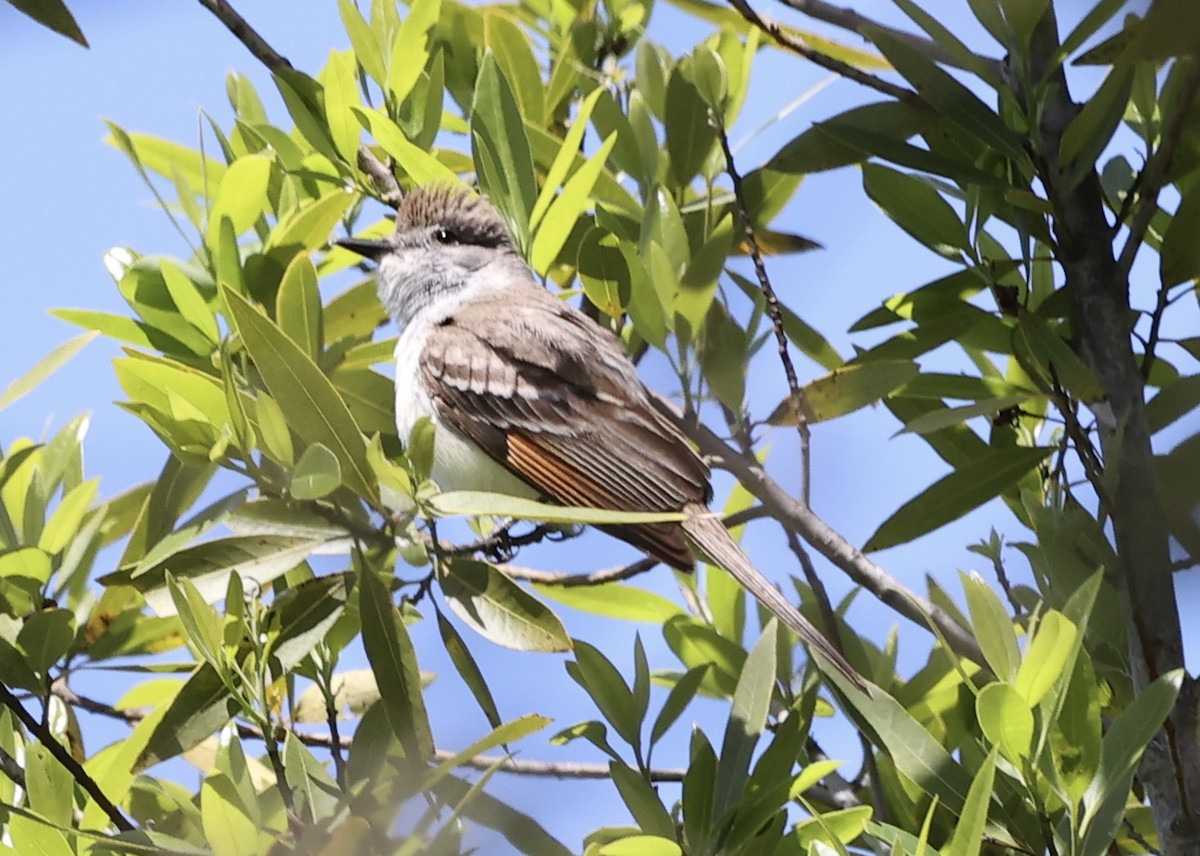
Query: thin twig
848, 19
385, 182
795, 396
64, 757
827, 62
1154, 174
1156, 317
552, 769
564, 580
247, 35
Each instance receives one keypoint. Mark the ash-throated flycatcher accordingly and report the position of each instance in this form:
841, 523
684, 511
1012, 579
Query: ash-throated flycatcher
532, 398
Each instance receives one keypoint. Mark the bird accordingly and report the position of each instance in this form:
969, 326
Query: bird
532, 398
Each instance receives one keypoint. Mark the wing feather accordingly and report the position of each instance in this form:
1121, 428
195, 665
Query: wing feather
545, 392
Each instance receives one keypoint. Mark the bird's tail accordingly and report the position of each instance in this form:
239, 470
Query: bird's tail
713, 541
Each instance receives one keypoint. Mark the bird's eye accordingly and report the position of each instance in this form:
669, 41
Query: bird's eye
445, 236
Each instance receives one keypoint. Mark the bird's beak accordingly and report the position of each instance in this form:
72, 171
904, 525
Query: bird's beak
370, 249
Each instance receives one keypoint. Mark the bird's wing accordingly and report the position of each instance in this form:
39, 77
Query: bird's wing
550, 395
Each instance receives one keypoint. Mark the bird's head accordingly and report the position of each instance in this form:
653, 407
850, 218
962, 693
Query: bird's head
445, 237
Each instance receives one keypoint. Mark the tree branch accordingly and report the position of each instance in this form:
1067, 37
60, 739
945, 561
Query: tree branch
795, 396
795, 515
247, 35
1098, 287
848, 19
594, 578
817, 58
64, 757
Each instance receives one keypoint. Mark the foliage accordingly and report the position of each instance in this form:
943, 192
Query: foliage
608, 157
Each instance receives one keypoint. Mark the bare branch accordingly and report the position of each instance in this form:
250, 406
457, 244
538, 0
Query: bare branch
64, 757
247, 35
824, 539
595, 578
795, 396
385, 182
817, 58
848, 19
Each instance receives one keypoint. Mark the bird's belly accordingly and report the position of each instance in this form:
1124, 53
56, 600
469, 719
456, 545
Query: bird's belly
458, 464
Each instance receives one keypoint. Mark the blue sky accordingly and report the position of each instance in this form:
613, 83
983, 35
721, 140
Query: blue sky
158, 67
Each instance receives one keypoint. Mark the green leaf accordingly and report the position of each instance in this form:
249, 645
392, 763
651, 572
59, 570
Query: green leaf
313, 789
993, 627
566, 209
972, 821
915, 752
950, 98
509, 732
613, 697
62, 526
460, 503
394, 661
50, 785
260, 558
362, 39
242, 196
1090, 131
747, 719
1006, 720
1049, 360
642, 800
1104, 802
916, 208
613, 600
298, 306
45, 637
418, 164
696, 643
54, 15
199, 710
690, 137
498, 127
47, 366
192, 305
309, 401
306, 613
1179, 260
308, 227
847, 389
936, 420
512, 49
500, 610
316, 474
228, 827
119, 327
565, 159
603, 271
203, 625
410, 48
641, 845
468, 670
1044, 662
824, 147
965, 489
